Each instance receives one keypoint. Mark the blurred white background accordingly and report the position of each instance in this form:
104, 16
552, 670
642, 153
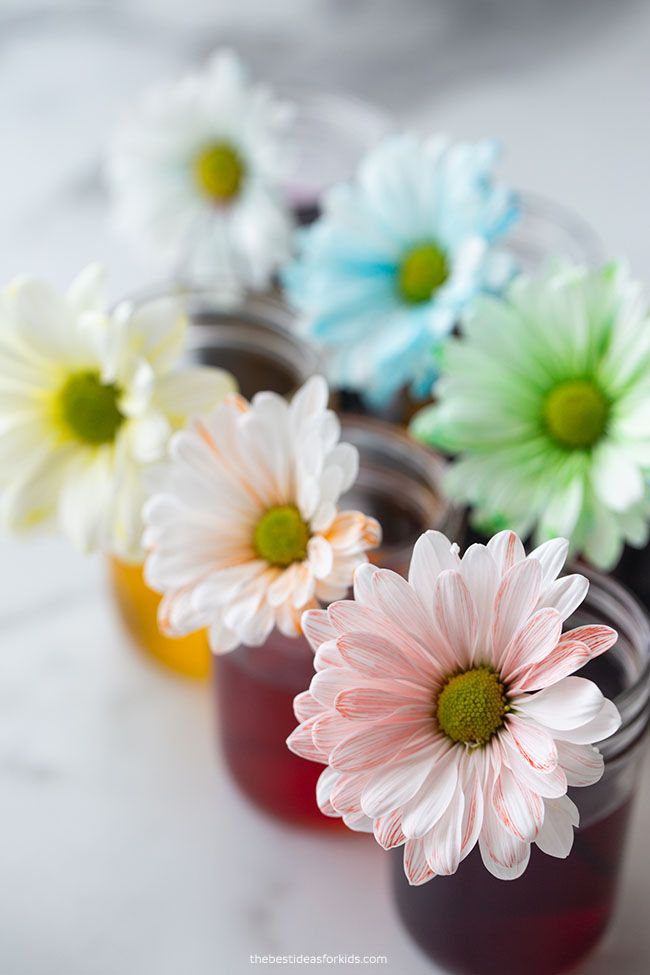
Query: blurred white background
124, 849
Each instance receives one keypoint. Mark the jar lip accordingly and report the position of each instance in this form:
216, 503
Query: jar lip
424, 468
539, 212
267, 323
610, 596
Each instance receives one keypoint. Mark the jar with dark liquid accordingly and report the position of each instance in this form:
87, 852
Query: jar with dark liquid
553, 916
255, 343
399, 483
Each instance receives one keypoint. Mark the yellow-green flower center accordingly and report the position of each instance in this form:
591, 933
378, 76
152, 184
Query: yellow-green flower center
423, 269
89, 408
576, 413
471, 706
281, 536
219, 171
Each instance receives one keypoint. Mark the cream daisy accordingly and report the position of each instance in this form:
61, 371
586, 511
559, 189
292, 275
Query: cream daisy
546, 401
196, 173
88, 401
249, 533
445, 709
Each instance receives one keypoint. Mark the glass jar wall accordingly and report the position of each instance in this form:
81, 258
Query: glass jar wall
255, 343
553, 916
399, 483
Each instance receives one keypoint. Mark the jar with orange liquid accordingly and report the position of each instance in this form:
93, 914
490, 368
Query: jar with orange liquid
255, 343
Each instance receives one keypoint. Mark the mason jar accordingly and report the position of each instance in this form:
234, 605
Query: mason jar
553, 916
399, 483
252, 340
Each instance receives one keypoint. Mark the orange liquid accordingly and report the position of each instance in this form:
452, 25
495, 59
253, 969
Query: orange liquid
138, 605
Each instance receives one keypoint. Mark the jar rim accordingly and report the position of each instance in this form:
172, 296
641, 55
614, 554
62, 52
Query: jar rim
419, 471
622, 608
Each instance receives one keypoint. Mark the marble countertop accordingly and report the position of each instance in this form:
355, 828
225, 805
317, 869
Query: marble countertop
125, 849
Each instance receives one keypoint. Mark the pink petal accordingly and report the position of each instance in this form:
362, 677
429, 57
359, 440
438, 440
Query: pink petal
401, 605
565, 594
532, 642
552, 556
566, 705
520, 810
300, 742
346, 616
432, 554
425, 809
506, 550
389, 788
479, 571
358, 822
443, 843
549, 785
346, 794
515, 600
375, 742
363, 591
504, 856
556, 835
328, 729
377, 656
306, 706
472, 813
328, 655
533, 742
597, 638
416, 867
565, 659
371, 702
326, 684
317, 627
456, 615
583, 764
388, 830
326, 781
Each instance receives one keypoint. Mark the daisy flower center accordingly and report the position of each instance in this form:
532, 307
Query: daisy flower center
219, 171
423, 270
281, 536
576, 413
89, 408
471, 706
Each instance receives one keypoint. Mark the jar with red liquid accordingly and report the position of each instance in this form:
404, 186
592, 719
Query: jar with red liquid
254, 341
553, 916
399, 483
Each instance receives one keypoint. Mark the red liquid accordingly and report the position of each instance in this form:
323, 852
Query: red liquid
255, 688
544, 923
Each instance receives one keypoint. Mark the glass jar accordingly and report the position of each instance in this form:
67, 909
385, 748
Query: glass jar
400, 484
332, 131
549, 919
255, 343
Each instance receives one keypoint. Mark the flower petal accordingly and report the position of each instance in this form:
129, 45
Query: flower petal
569, 704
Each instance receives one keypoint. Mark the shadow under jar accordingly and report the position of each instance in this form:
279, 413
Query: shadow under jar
553, 916
399, 483
254, 342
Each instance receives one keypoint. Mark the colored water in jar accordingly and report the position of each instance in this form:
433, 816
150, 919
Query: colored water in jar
541, 924
138, 606
553, 916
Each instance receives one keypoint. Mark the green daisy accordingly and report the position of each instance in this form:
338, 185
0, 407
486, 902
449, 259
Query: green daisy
546, 400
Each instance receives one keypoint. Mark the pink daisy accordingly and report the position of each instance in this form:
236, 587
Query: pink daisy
445, 709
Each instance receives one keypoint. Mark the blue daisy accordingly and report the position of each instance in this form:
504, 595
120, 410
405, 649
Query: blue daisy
384, 274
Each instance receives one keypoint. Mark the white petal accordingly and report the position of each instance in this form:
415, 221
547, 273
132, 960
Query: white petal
556, 835
569, 704
583, 764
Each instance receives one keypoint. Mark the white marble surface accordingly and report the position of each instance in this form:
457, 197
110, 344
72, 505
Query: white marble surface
124, 849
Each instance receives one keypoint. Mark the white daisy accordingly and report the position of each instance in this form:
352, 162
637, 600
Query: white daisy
445, 710
88, 401
196, 170
249, 534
